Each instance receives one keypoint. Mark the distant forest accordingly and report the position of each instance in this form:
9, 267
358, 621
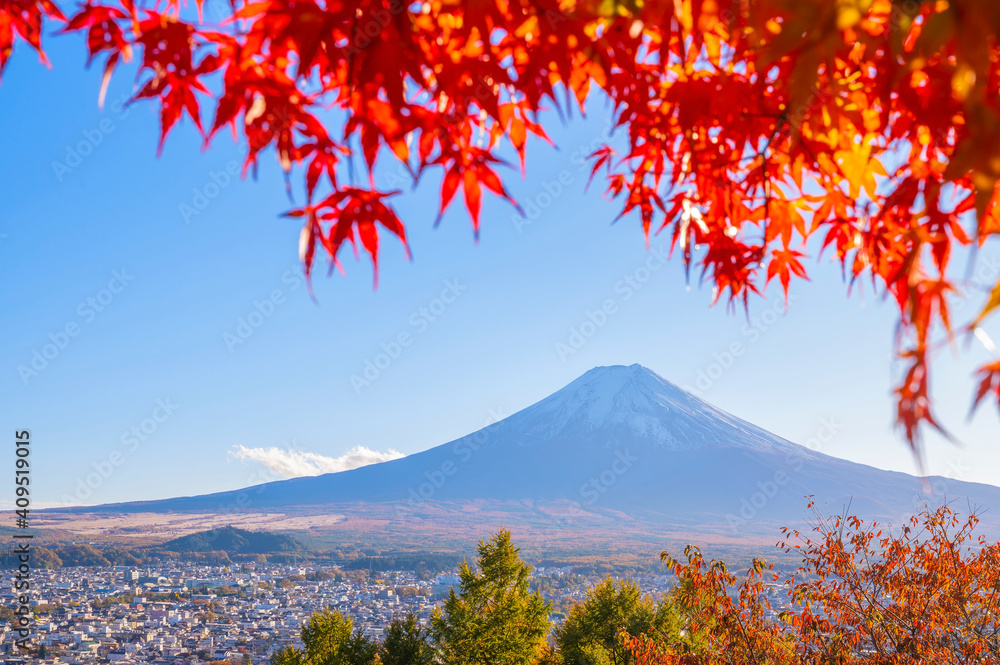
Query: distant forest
233, 546
229, 545
221, 546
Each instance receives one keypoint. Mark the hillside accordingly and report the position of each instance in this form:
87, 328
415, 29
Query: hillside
235, 541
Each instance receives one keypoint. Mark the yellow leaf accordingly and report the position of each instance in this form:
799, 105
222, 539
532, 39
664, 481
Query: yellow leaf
985, 187
962, 81
850, 12
860, 170
991, 305
713, 48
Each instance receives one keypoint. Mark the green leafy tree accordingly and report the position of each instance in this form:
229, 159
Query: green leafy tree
592, 633
359, 650
330, 639
494, 619
406, 643
324, 634
288, 656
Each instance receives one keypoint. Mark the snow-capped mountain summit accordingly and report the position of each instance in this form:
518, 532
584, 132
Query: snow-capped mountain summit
618, 405
618, 441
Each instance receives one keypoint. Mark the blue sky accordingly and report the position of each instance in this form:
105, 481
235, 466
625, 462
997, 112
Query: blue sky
109, 226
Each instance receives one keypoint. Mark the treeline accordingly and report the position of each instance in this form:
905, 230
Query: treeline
59, 556
66, 556
229, 546
73, 555
418, 563
926, 592
235, 541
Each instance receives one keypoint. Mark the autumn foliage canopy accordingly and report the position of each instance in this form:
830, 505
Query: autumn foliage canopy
925, 591
870, 127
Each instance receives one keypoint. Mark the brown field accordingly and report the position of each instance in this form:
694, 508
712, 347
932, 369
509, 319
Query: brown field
550, 531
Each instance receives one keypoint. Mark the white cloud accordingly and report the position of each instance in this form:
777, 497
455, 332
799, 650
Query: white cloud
287, 463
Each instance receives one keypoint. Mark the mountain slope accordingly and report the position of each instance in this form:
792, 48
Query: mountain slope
616, 440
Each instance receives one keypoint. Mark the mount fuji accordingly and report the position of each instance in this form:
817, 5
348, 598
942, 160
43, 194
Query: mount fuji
619, 442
